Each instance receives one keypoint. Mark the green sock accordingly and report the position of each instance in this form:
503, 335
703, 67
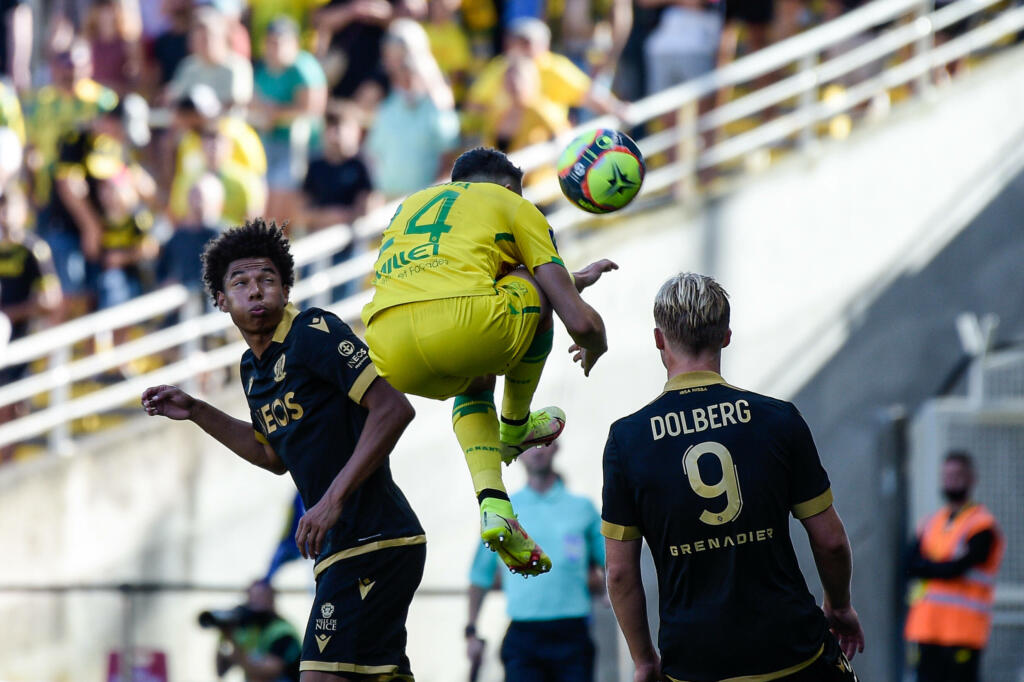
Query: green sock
476, 427
521, 383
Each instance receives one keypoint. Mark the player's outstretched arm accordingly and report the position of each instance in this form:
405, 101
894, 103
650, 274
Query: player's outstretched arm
235, 434
582, 322
626, 591
834, 559
389, 412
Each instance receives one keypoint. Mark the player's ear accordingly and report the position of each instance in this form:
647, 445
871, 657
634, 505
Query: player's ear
222, 302
659, 339
728, 338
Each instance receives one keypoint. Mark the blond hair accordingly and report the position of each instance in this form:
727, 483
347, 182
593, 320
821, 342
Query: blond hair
692, 311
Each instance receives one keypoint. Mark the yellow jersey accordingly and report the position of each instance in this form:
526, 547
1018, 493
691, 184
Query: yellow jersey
561, 82
246, 148
457, 239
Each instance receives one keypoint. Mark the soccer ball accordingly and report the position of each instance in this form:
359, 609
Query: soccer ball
601, 170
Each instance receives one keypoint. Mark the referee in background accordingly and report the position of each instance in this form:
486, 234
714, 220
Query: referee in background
708, 474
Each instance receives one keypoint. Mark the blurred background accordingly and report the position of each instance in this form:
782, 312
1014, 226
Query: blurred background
850, 171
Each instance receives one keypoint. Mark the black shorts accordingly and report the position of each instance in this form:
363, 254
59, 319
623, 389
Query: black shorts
831, 666
357, 624
756, 12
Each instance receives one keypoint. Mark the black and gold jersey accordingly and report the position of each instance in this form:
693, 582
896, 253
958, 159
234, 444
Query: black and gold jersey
128, 232
304, 397
86, 156
21, 274
708, 474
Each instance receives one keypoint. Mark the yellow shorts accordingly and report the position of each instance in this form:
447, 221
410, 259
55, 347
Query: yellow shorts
436, 348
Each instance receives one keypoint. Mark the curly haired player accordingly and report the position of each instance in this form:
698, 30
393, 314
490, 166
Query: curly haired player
320, 413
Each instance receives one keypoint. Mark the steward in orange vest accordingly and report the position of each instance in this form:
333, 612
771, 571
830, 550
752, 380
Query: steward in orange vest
956, 557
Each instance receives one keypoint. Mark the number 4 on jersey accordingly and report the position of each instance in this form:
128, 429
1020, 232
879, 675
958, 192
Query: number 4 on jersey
443, 200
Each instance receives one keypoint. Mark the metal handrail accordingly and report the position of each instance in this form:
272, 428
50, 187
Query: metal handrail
148, 306
784, 126
137, 310
197, 362
803, 50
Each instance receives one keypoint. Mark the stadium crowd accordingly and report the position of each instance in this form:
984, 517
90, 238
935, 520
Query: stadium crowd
133, 131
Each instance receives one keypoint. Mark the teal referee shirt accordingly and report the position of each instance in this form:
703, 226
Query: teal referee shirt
568, 527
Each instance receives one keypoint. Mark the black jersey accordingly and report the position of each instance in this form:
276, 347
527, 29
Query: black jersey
708, 474
20, 275
86, 155
304, 396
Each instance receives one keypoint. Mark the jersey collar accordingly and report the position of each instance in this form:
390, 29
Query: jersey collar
693, 379
285, 325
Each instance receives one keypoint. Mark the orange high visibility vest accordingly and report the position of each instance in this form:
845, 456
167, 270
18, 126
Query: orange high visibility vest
956, 612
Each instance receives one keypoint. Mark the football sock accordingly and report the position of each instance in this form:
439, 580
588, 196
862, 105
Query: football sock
502, 508
491, 494
476, 426
521, 383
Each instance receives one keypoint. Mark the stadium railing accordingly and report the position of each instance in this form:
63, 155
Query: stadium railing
870, 51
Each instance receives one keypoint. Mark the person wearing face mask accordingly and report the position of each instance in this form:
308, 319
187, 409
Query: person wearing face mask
956, 558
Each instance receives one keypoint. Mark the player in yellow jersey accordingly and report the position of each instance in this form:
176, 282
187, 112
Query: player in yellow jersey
466, 280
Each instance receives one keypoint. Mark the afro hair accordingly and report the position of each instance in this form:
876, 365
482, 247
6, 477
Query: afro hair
255, 239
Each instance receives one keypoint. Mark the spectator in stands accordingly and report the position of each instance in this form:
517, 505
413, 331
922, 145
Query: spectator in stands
549, 636
957, 556
684, 45
11, 116
72, 99
291, 93
170, 48
16, 42
265, 646
592, 33
212, 62
527, 117
484, 25
198, 109
337, 188
245, 193
449, 43
262, 12
630, 82
420, 105
181, 257
114, 34
790, 17
127, 246
351, 32
562, 82
239, 41
154, 21
29, 288
72, 222
752, 18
